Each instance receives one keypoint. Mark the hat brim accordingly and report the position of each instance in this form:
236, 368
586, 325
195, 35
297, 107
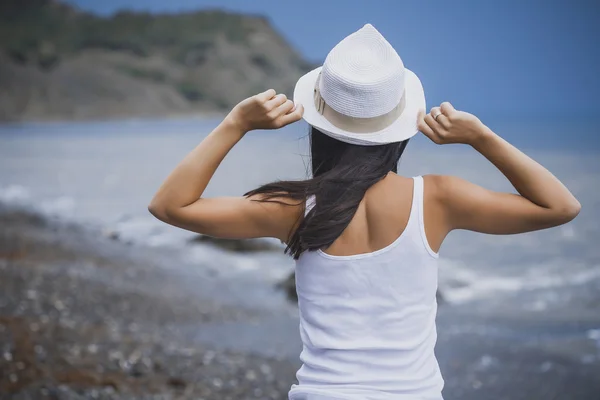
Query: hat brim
401, 129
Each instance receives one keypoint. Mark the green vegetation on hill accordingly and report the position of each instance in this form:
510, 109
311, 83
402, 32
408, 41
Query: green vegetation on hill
34, 28
211, 59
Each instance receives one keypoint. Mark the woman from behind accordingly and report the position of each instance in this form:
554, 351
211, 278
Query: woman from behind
365, 239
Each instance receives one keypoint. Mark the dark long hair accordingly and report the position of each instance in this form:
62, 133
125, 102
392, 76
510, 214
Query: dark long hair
342, 173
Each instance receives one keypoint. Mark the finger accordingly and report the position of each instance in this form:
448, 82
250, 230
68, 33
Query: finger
293, 116
422, 125
266, 95
435, 111
293, 109
275, 102
434, 126
285, 108
442, 119
447, 108
438, 117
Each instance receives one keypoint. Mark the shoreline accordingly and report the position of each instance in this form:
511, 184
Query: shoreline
86, 316
114, 119
66, 332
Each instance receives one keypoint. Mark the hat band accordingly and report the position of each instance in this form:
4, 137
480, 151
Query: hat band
355, 124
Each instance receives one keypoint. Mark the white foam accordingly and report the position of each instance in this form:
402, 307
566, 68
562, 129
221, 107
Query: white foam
480, 283
63, 206
17, 195
14, 194
473, 283
594, 334
486, 361
147, 230
246, 263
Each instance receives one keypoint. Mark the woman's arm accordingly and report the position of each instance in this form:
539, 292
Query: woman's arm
543, 202
178, 200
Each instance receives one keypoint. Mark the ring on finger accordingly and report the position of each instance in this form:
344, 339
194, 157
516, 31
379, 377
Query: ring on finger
437, 115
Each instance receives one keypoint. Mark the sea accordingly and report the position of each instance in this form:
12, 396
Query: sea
103, 174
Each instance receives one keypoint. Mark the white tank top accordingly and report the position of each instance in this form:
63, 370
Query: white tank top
367, 321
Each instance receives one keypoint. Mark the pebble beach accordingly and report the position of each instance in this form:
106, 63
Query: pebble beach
84, 316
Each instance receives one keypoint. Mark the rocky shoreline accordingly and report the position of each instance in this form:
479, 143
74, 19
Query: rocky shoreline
84, 316
67, 335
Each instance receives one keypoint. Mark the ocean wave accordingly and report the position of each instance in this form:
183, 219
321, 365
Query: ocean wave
461, 284
20, 196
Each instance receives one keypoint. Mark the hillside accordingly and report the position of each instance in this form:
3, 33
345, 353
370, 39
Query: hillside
57, 62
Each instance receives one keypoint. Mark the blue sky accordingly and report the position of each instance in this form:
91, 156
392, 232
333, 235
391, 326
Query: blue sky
526, 59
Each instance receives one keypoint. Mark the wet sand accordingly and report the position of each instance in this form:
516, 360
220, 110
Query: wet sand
83, 316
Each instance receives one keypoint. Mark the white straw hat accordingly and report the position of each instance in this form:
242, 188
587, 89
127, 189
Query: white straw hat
362, 94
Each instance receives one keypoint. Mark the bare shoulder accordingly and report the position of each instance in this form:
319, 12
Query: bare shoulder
441, 186
449, 194
438, 192
435, 186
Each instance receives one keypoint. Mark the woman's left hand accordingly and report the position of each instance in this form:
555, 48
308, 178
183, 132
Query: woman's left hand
267, 110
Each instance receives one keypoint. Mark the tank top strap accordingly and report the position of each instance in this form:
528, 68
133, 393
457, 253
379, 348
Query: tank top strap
417, 199
417, 219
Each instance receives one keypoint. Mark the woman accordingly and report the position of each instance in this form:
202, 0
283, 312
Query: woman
365, 239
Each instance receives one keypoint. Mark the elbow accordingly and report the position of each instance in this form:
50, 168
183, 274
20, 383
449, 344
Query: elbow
154, 210
569, 211
157, 210
163, 212
575, 209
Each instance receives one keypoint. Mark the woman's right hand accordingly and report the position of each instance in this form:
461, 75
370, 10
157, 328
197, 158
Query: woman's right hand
267, 110
451, 125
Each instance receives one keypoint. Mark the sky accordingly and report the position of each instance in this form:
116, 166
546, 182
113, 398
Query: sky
524, 59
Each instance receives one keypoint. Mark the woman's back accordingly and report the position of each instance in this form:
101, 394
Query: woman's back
367, 320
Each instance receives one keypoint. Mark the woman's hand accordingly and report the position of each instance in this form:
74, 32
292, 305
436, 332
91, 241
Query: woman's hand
451, 125
267, 110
